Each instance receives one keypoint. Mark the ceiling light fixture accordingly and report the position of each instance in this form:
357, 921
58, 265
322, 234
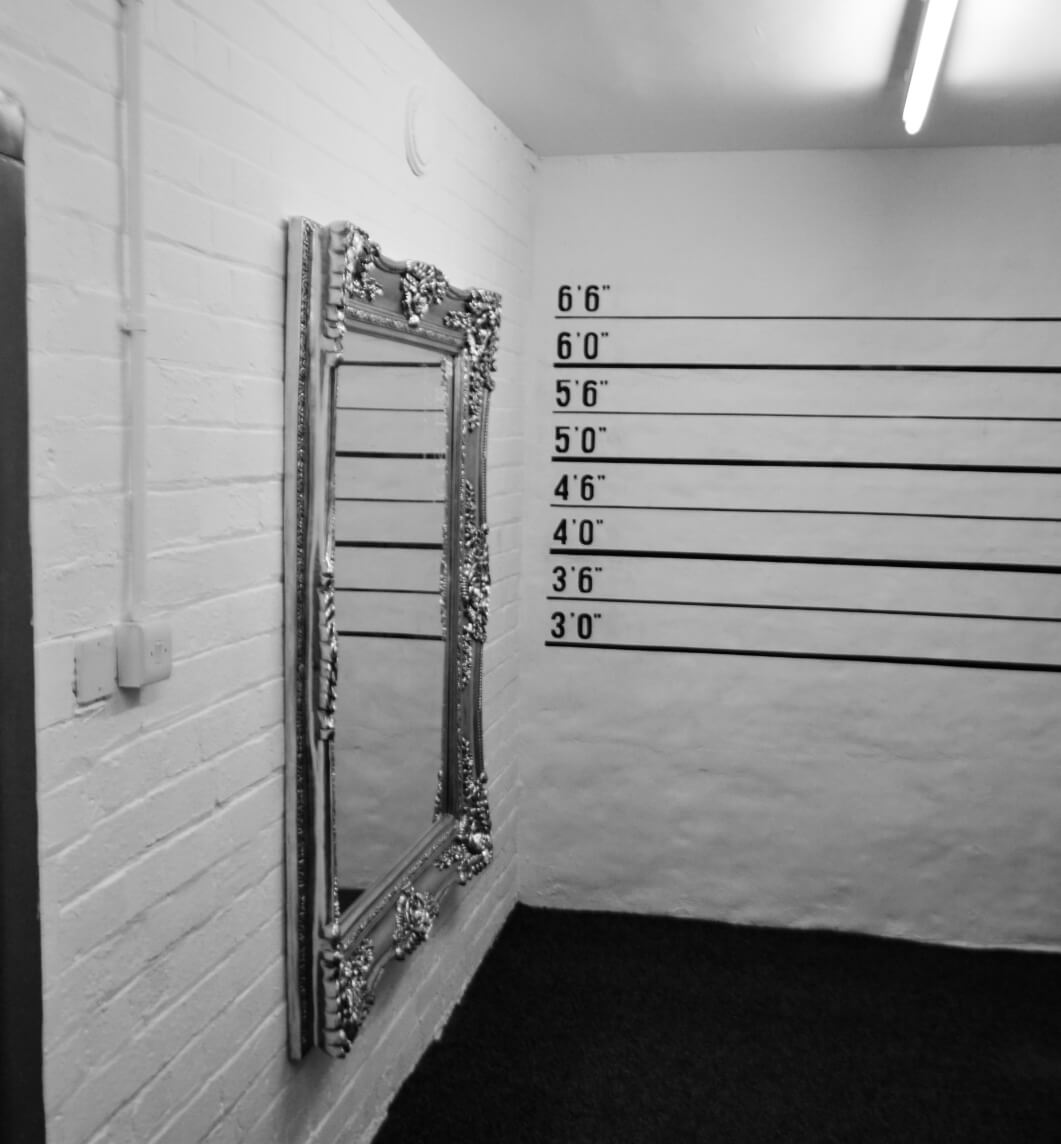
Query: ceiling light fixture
936, 21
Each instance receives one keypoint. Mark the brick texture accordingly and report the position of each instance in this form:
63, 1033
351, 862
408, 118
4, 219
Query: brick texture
161, 816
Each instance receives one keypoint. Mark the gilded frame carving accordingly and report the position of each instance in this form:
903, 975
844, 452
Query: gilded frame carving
338, 279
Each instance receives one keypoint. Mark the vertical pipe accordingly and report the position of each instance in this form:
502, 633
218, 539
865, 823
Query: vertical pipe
135, 319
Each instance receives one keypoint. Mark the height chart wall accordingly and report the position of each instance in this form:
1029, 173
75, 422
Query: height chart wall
795, 541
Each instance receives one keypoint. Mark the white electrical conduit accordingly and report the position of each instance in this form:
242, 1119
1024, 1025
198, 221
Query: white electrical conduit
135, 318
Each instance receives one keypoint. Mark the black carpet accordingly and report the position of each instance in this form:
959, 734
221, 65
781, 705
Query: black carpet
607, 1028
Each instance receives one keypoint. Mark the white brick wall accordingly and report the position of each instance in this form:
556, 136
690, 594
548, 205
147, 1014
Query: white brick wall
161, 817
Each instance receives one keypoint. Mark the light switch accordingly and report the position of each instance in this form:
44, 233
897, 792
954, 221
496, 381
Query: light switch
94, 667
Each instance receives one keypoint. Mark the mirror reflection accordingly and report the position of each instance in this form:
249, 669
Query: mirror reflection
391, 481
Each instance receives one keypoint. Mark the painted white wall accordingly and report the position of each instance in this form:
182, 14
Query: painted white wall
762, 793
161, 842
914, 801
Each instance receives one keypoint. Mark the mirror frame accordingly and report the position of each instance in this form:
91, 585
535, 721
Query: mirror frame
337, 280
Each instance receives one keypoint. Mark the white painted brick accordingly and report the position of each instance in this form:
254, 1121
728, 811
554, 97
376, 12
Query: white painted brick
70, 741
255, 998
504, 564
209, 1106
69, 179
103, 9
504, 538
244, 1107
171, 92
220, 1097
119, 838
257, 293
105, 909
259, 402
94, 1034
505, 450
175, 273
75, 249
212, 512
64, 815
504, 481
193, 338
133, 768
226, 619
256, 190
191, 396
506, 510
138, 766
80, 527
213, 172
76, 597
194, 928
152, 1050
212, 56
203, 399
66, 320
172, 31
164, 811
248, 240
67, 461
176, 214
196, 453
185, 575
69, 392
65, 36
215, 287
171, 152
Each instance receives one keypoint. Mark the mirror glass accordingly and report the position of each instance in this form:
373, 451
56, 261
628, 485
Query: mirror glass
391, 479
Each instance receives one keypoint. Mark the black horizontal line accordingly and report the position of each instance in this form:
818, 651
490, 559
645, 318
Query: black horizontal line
911, 660
767, 558
596, 317
394, 500
394, 591
393, 364
418, 544
391, 456
804, 416
805, 512
389, 635
773, 463
810, 608
846, 367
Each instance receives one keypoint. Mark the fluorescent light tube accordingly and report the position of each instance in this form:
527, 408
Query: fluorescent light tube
931, 43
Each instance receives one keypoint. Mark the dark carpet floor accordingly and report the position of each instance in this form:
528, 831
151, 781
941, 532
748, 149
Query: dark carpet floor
608, 1028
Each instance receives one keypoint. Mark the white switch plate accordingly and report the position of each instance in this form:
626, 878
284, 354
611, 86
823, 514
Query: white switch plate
94, 666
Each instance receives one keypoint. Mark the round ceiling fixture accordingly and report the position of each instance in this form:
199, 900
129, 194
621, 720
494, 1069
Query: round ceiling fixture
419, 131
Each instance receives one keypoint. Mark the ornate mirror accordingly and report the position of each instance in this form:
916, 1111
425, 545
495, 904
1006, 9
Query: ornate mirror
386, 582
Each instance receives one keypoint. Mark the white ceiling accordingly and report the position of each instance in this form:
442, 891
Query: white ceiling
573, 77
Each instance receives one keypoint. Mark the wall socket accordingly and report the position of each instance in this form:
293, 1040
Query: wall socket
145, 652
